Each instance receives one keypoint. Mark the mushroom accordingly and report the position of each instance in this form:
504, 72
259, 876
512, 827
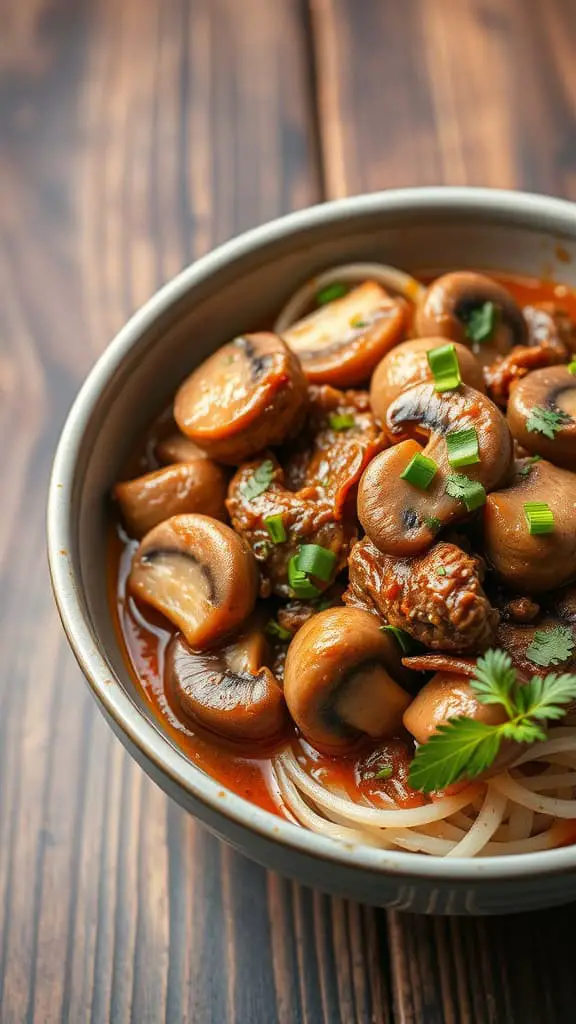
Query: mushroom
177, 448
341, 342
250, 394
199, 574
229, 691
198, 486
545, 347
407, 364
465, 306
436, 598
402, 519
343, 680
542, 414
526, 562
447, 695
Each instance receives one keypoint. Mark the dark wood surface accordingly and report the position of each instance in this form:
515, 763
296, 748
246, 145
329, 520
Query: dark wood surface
134, 135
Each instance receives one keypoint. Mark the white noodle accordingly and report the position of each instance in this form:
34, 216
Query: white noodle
521, 795
520, 823
550, 746
537, 783
488, 820
314, 821
351, 273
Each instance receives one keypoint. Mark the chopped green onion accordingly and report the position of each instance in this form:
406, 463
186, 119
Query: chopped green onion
299, 582
468, 491
330, 293
276, 528
572, 367
274, 628
441, 571
463, 447
316, 561
480, 322
539, 516
260, 480
384, 773
357, 321
341, 421
420, 471
443, 362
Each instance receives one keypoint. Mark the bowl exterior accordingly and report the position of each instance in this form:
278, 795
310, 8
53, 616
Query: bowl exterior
234, 289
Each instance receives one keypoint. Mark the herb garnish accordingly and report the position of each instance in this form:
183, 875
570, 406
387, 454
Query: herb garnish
546, 421
384, 773
341, 421
260, 480
463, 489
463, 747
527, 468
432, 523
274, 628
330, 293
551, 646
480, 322
407, 643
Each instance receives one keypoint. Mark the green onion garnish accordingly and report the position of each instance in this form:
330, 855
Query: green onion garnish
341, 421
462, 447
480, 322
572, 367
299, 582
274, 628
316, 561
441, 571
420, 471
468, 491
275, 527
539, 516
443, 362
384, 773
330, 293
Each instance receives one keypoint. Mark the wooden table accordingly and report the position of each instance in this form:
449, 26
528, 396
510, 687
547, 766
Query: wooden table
136, 134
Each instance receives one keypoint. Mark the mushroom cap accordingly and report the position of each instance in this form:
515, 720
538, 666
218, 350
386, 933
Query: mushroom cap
341, 680
249, 394
341, 342
401, 519
407, 364
447, 695
199, 574
177, 448
229, 691
198, 486
532, 563
452, 297
552, 388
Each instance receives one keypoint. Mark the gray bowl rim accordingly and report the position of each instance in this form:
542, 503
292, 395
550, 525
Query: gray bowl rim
522, 209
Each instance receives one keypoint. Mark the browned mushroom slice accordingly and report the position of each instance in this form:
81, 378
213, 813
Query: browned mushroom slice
198, 486
437, 598
250, 394
530, 562
402, 518
229, 691
447, 695
542, 414
343, 680
199, 574
474, 310
407, 364
342, 342
177, 448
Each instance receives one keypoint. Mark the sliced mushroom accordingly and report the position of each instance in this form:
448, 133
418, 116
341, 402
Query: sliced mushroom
447, 695
436, 598
199, 574
250, 394
453, 300
229, 691
341, 342
198, 486
343, 680
542, 414
402, 519
532, 563
177, 448
407, 364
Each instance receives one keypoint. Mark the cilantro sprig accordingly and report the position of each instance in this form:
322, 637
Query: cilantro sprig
546, 421
551, 646
463, 747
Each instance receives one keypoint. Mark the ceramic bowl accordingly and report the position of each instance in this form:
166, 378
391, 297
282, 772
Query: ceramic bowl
240, 285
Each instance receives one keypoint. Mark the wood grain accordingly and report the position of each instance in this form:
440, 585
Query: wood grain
133, 137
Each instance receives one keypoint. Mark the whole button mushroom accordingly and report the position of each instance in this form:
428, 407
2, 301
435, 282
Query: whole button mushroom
198, 486
229, 691
474, 310
403, 519
341, 342
447, 695
542, 414
250, 394
407, 364
177, 448
343, 680
199, 574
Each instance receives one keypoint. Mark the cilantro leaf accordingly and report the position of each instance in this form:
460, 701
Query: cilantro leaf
480, 322
260, 480
466, 490
494, 679
544, 697
462, 748
551, 646
546, 421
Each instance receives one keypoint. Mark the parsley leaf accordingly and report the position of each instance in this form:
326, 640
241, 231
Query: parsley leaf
546, 421
551, 646
466, 490
495, 679
480, 322
260, 480
461, 748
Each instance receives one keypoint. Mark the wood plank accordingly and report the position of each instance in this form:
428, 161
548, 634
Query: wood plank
461, 92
